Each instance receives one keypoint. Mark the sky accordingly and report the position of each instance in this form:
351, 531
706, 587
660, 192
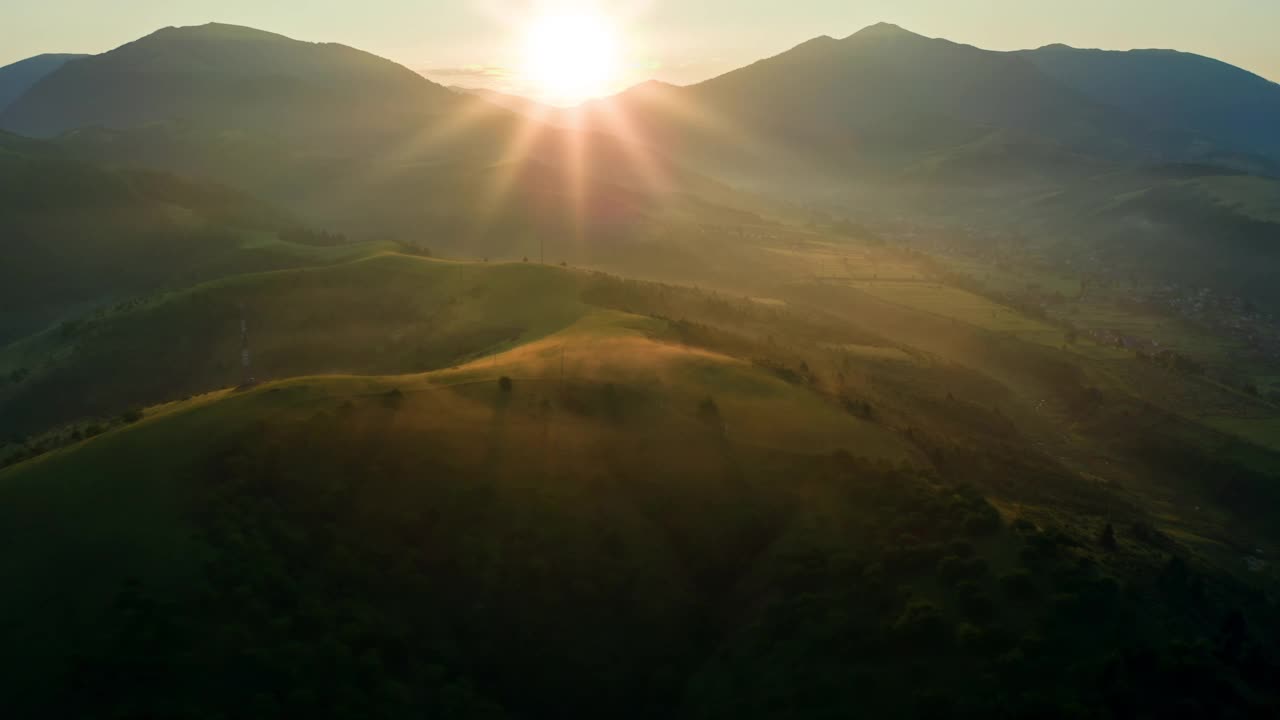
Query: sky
478, 43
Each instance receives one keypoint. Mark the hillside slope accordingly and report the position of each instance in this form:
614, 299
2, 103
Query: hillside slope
75, 235
387, 314
1190, 226
1236, 108
17, 78
623, 526
882, 100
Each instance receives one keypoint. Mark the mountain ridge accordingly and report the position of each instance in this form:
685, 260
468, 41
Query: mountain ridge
19, 77
227, 77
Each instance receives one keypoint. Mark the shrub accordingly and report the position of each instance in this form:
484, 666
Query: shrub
952, 569
504, 384
131, 416
922, 623
969, 636
975, 601
1108, 538
1019, 585
1023, 526
982, 524
709, 413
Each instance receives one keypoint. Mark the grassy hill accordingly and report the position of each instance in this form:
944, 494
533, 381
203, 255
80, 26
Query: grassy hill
387, 314
629, 523
1198, 227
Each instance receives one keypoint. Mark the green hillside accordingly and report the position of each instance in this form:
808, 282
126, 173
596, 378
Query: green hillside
625, 525
1198, 227
387, 314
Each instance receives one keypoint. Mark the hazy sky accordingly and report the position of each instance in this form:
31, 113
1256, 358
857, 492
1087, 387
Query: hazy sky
476, 42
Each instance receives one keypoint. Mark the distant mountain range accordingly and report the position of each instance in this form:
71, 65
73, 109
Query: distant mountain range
885, 101
1057, 141
18, 78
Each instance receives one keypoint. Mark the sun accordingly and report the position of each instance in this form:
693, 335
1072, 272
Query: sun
571, 57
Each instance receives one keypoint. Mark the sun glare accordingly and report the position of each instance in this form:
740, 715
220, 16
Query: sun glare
571, 57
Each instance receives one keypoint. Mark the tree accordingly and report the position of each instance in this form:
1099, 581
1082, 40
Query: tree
923, 624
1019, 585
709, 413
1108, 538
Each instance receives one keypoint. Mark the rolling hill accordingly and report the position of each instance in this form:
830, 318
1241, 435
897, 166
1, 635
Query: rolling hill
19, 77
465, 542
385, 314
1191, 226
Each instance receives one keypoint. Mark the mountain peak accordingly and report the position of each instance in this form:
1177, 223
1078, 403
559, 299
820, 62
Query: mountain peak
883, 30
220, 31
651, 86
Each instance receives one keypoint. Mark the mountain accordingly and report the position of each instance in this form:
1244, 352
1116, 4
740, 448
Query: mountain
354, 143
75, 236
17, 78
229, 78
883, 100
1235, 108
891, 123
515, 103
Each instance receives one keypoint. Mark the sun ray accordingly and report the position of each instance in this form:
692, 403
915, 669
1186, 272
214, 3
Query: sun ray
512, 161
